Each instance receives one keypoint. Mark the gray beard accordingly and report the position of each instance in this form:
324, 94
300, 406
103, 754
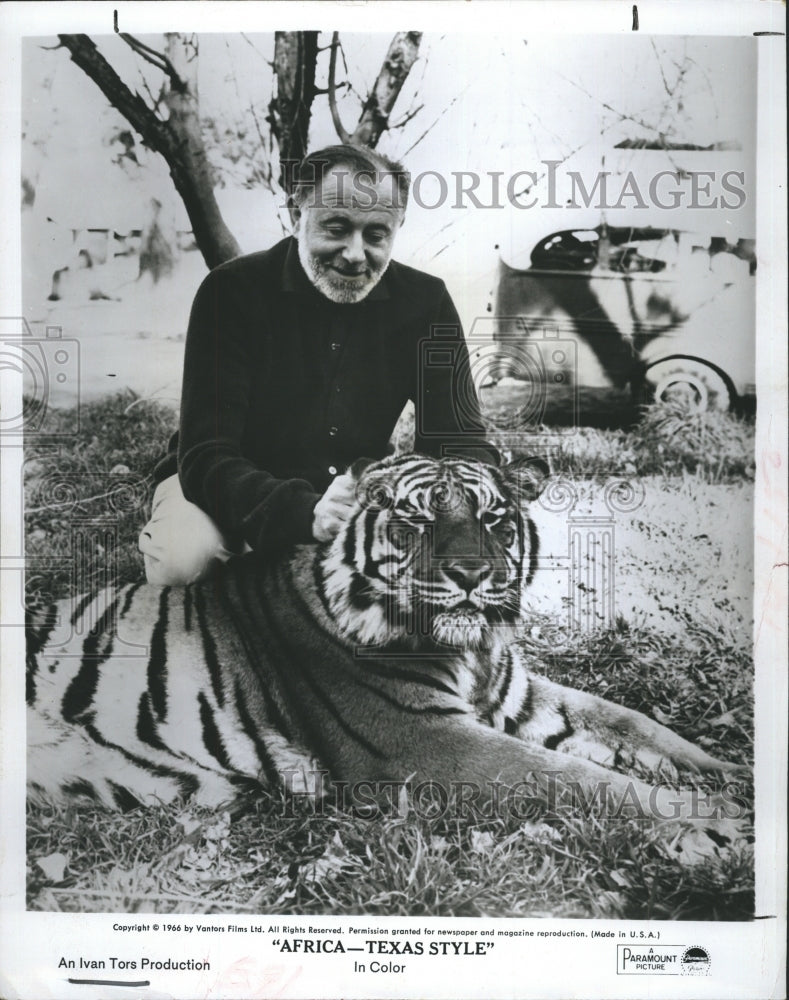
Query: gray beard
331, 284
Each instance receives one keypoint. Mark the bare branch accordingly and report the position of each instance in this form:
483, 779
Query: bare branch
349, 84
133, 108
406, 118
155, 101
666, 87
622, 115
150, 55
553, 134
191, 43
435, 122
349, 81
157, 59
374, 120
433, 236
251, 44
265, 141
335, 114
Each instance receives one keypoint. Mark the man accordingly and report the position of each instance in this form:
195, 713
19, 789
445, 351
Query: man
298, 360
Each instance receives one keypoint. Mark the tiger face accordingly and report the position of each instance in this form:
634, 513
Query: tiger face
435, 551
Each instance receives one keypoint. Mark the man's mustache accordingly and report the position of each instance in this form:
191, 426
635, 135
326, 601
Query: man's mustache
348, 273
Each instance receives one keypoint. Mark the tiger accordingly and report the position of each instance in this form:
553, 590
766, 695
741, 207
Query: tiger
387, 654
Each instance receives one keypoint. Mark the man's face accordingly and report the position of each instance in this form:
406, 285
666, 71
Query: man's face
346, 232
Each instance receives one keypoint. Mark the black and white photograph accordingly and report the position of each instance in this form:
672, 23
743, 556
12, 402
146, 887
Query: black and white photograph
393, 556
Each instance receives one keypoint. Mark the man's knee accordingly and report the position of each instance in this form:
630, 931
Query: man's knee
180, 544
176, 569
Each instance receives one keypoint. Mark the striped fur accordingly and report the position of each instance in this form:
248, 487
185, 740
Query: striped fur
384, 655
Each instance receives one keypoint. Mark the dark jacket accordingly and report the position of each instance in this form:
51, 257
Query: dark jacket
283, 389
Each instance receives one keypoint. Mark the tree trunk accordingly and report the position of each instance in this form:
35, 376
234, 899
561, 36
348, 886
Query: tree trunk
295, 56
178, 140
189, 167
374, 119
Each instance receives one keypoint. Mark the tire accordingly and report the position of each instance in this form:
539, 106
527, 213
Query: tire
687, 381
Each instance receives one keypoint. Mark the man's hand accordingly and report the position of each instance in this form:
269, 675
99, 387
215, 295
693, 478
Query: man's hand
334, 508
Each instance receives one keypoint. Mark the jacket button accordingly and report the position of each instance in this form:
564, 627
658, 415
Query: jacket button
332, 432
332, 470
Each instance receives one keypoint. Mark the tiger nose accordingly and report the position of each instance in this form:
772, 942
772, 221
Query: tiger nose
467, 573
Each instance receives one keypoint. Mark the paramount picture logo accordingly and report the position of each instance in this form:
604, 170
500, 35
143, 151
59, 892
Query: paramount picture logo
662, 960
695, 961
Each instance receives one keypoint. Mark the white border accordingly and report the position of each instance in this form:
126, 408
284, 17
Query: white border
748, 957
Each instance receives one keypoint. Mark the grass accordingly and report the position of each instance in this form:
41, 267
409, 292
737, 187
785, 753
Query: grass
94, 487
665, 441
699, 683
273, 858
338, 864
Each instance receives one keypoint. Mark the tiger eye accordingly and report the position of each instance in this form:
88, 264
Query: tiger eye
507, 534
400, 534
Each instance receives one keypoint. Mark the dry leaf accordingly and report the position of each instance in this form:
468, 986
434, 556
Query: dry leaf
540, 831
53, 866
333, 860
481, 841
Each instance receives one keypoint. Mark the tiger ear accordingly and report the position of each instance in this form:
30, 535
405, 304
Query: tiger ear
529, 476
356, 468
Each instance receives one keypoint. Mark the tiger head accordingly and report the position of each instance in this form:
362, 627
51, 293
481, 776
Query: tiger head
435, 552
